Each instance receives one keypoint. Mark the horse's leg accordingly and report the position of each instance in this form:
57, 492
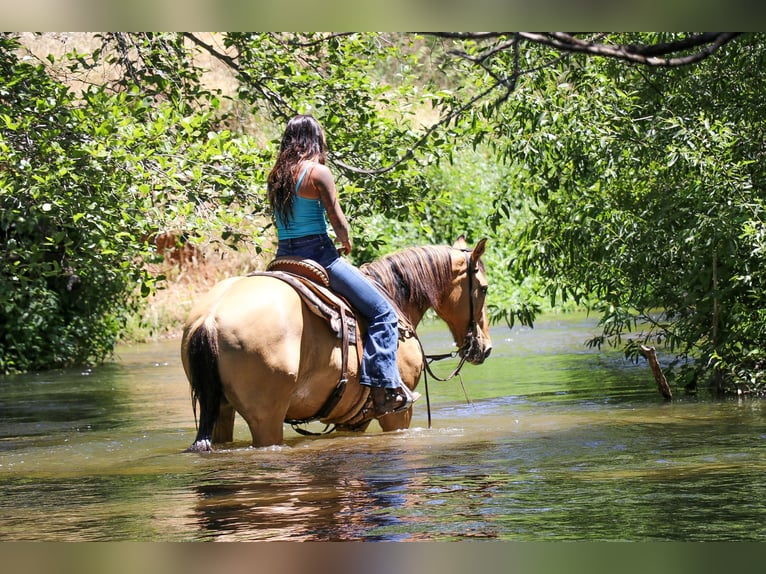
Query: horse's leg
223, 431
259, 393
266, 431
264, 408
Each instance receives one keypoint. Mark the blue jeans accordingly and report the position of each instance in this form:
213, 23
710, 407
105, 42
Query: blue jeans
379, 367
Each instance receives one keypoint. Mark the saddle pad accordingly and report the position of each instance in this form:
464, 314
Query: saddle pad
302, 266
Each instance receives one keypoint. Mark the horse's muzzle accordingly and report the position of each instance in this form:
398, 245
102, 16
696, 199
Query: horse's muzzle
475, 352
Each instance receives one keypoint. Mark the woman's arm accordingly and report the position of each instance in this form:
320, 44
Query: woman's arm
324, 182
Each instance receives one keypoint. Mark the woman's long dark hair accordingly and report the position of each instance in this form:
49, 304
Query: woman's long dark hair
303, 140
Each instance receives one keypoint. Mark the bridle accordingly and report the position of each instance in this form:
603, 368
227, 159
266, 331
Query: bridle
468, 342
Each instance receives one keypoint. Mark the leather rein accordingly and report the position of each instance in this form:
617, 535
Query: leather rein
467, 343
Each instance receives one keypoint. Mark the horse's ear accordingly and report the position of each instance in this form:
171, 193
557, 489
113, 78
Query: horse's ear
478, 251
460, 243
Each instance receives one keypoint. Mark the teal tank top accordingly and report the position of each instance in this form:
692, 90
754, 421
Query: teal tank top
308, 216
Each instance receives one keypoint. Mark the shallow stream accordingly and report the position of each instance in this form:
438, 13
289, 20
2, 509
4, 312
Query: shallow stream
557, 443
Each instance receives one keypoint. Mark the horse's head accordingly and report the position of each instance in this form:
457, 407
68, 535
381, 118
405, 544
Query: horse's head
465, 308
451, 280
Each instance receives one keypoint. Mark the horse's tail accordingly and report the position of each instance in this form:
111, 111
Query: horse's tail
205, 381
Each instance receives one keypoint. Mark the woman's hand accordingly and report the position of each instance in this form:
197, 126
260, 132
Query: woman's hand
345, 248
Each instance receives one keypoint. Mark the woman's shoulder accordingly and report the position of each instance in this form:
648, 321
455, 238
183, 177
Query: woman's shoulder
313, 169
320, 175
313, 177
316, 169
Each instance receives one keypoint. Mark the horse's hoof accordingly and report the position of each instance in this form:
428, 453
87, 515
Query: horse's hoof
200, 446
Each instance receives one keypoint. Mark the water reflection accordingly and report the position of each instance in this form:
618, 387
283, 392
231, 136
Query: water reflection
45, 404
549, 477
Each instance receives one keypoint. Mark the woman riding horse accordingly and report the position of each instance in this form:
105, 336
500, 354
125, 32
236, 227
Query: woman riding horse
252, 346
301, 191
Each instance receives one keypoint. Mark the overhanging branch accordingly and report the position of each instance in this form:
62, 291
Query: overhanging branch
687, 50
280, 106
659, 55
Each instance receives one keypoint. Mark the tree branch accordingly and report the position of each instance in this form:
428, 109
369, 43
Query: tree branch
708, 43
660, 54
649, 54
662, 384
280, 106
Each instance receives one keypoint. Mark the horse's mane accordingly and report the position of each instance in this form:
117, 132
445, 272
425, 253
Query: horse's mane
415, 276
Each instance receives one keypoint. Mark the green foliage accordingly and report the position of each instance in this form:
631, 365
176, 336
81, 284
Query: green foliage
636, 191
462, 196
85, 183
646, 194
60, 265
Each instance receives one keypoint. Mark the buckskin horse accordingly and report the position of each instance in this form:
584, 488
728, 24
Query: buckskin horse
253, 346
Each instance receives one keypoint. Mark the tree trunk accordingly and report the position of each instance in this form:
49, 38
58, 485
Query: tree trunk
662, 384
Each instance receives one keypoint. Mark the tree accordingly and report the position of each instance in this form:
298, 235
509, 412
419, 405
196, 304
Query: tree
648, 203
85, 181
593, 131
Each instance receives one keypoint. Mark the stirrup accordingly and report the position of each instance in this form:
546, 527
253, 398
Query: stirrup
392, 400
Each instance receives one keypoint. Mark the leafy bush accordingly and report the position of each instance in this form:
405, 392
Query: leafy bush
647, 195
85, 183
